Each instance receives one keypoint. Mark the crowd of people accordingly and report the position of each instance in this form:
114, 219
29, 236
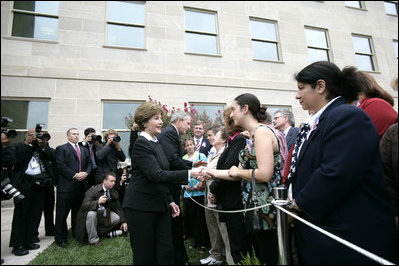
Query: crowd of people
339, 166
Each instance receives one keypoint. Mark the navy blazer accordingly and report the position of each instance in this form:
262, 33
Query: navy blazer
291, 137
205, 146
67, 163
339, 187
148, 189
172, 147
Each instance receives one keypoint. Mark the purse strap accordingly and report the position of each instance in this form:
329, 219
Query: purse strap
254, 198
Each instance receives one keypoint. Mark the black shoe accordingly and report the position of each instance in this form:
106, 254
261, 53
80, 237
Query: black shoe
19, 251
32, 246
62, 244
35, 239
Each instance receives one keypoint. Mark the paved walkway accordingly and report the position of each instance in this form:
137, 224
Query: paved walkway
7, 209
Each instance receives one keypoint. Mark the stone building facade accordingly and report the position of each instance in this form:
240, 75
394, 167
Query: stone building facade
77, 68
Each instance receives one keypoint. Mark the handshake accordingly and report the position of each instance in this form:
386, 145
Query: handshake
202, 174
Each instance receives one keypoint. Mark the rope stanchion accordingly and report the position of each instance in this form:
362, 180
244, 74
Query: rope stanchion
342, 241
278, 203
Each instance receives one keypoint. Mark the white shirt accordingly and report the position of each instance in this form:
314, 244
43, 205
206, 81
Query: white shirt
148, 136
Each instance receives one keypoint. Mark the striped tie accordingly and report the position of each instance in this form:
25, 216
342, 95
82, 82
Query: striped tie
198, 145
80, 159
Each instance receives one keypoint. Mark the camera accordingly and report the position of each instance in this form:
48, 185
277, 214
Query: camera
95, 138
10, 190
9, 133
102, 207
117, 139
40, 135
129, 174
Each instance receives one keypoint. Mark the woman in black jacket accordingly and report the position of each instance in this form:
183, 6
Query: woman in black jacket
148, 203
228, 193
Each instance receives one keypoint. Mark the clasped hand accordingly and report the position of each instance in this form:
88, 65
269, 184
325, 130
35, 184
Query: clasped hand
202, 174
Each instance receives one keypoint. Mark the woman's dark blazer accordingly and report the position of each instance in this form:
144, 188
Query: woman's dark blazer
148, 189
339, 187
228, 193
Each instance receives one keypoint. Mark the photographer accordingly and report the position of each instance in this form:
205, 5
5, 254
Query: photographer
100, 213
108, 154
33, 172
91, 142
7, 163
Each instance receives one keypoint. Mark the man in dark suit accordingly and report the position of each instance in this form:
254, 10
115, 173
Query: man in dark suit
73, 167
172, 147
91, 142
284, 121
201, 144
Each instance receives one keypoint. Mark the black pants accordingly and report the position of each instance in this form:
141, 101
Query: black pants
239, 242
150, 237
265, 244
66, 201
44, 201
194, 221
22, 222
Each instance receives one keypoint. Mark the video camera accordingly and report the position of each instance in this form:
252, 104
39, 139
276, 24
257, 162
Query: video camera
9, 133
40, 135
95, 138
117, 139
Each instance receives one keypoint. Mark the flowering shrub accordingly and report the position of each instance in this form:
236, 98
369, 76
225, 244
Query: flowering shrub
190, 109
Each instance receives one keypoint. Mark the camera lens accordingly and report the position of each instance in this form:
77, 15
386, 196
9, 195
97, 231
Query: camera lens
117, 139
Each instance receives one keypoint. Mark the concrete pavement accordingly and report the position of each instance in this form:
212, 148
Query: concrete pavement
7, 209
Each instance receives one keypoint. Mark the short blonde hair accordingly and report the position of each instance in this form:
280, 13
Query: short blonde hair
109, 132
145, 111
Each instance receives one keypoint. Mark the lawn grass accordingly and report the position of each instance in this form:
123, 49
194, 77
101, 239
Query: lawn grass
114, 251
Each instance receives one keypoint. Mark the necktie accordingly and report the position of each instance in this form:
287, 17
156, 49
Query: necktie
298, 143
198, 145
80, 160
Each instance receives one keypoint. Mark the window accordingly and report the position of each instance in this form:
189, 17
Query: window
126, 24
35, 19
364, 52
201, 32
395, 47
25, 114
318, 47
355, 4
265, 43
391, 8
114, 114
209, 111
273, 108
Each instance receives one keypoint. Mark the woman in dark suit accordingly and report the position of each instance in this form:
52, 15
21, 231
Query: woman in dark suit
338, 184
148, 203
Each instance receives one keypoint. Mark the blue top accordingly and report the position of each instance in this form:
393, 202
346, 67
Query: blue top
196, 157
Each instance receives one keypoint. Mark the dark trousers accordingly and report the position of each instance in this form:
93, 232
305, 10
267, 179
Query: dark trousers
179, 249
150, 237
265, 244
194, 221
239, 242
44, 202
22, 222
66, 201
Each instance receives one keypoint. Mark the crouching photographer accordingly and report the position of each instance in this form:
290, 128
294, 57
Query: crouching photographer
101, 213
33, 173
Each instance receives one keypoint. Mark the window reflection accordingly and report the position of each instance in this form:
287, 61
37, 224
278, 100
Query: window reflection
263, 30
391, 8
316, 38
132, 13
44, 7
265, 50
362, 45
199, 21
364, 62
317, 55
125, 36
201, 43
114, 114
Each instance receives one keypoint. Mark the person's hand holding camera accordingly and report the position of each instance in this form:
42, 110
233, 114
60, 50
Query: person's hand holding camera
30, 137
102, 200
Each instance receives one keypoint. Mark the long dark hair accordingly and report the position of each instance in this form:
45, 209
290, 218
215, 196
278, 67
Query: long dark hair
258, 112
338, 83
